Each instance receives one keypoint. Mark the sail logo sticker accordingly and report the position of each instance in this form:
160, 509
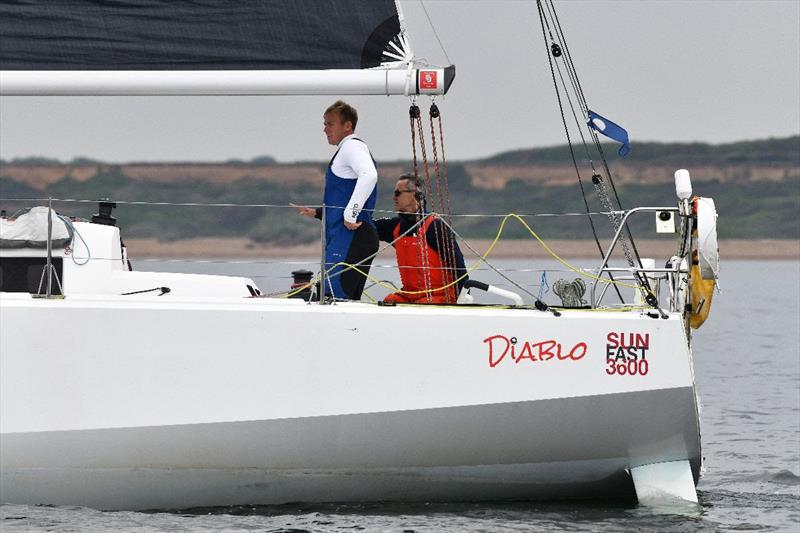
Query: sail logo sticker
428, 79
500, 346
626, 354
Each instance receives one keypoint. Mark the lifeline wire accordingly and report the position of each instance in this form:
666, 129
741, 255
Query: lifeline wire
482, 259
387, 211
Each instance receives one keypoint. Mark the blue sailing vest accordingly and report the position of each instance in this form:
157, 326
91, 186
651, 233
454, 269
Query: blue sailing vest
338, 238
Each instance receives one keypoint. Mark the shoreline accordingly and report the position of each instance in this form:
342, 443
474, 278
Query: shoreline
239, 248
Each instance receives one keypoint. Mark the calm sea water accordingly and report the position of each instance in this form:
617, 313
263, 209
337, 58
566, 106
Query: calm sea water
747, 368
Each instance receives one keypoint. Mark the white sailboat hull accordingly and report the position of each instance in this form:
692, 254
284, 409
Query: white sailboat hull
218, 401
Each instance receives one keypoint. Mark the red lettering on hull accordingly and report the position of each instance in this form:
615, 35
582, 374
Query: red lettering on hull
628, 340
500, 346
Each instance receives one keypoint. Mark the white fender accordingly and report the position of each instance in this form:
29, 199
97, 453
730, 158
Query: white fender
707, 248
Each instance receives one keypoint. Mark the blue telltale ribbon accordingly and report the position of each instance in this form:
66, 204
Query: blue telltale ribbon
544, 287
610, 130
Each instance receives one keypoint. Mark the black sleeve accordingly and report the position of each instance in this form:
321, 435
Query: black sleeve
385, 227
438, 232
318, 213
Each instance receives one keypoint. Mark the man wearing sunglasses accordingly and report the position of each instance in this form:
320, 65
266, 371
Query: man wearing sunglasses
428, 255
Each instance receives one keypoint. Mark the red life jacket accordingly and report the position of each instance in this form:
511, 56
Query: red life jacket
421, 267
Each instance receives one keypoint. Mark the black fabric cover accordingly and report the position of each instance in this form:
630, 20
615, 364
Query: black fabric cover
194, 34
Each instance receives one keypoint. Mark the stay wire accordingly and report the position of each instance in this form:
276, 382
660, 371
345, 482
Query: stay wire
543, 22
578, 124
571, 66
568, 56
435, 33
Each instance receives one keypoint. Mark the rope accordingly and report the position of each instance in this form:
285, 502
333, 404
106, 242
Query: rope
443, 244
164, 290
572, 72
544, 22
482, 259
368, 258
413, 113
449, 244
422, 249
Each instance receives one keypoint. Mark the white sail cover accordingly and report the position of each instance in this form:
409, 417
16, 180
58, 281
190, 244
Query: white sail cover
29, 230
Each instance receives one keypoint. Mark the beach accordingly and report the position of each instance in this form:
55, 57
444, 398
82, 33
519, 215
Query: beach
240, 248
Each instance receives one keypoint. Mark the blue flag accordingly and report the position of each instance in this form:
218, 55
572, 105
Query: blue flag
610, 130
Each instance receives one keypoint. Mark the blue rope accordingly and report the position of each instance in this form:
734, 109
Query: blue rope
544, 287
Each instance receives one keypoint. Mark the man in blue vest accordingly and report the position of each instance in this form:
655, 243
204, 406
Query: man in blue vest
350, 193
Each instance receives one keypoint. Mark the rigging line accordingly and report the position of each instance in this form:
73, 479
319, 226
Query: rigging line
439, 231
427, 15
542, 22
482, 259
571, 71
619, 203
581, 102
570, 214
400, 17
571, 66
219, 261
428, 192
579, 89
174, 204
599, 185
412, 112
579, 125
452, 243
368, 258
491, 266
571, 74
463, 215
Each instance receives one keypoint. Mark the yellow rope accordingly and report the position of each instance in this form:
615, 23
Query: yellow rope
482, 259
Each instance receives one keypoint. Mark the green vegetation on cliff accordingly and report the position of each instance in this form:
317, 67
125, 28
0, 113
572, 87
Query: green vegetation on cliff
755, 208
784, 151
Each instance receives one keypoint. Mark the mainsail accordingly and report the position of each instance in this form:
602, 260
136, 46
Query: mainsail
209, 47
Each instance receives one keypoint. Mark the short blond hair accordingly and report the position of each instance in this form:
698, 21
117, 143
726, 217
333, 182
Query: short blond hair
346, 112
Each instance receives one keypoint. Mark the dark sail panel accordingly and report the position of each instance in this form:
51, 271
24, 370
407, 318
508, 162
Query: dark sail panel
195, 35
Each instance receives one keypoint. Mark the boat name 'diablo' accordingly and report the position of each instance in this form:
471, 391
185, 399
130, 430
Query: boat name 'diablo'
500, 346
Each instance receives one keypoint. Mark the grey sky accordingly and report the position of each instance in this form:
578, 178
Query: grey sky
712, 71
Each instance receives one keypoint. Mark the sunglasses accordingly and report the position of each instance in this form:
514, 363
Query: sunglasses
398, 193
